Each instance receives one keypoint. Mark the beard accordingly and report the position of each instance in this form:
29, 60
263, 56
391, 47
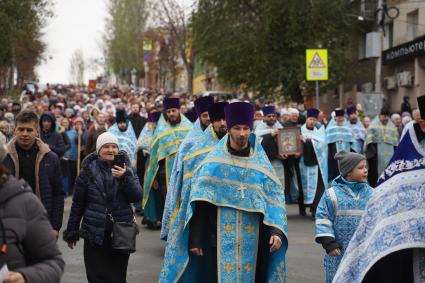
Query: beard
270, 123
222, 131
175, 121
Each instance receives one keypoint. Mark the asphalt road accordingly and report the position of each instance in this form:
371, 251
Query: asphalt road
304, 256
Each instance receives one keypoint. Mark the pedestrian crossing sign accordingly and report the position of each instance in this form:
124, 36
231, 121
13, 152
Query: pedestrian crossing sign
317, 64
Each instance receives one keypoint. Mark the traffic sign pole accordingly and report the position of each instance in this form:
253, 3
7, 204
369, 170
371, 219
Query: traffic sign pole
317, 95
317, 68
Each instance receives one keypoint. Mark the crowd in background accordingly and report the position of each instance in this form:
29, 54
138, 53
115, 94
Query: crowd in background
77, 117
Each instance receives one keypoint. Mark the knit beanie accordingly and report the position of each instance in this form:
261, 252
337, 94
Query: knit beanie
105, 138
347, 161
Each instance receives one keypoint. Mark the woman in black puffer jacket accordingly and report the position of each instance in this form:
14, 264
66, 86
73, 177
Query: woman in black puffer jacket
100, 189
27, 244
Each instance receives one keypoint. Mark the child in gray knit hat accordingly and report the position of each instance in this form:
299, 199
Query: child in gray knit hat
341, 208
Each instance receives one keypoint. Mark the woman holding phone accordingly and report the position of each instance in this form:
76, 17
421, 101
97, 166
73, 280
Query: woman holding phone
103, 195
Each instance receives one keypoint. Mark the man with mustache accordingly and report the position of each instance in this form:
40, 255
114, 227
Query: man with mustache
236, 219
171, 129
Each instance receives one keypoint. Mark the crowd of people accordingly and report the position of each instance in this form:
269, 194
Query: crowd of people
213, 175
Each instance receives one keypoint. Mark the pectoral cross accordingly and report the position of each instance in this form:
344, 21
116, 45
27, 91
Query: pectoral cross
242, 189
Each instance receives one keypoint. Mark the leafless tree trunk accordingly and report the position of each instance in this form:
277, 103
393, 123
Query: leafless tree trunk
171, 15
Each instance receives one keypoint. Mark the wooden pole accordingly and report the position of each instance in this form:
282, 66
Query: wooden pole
78, 153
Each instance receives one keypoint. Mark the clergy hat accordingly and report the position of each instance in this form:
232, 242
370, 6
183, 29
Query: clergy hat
203, 103
351, 110
216, 111
421, 105
191, 115
339, 112
313, 112
121, 116
385, 111
239, 113
267, 110
170, 103
153, 117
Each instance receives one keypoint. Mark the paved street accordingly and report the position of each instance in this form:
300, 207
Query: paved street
304, 257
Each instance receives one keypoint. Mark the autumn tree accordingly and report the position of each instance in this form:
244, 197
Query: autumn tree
20, 39
261, 44
124, 37
175, 18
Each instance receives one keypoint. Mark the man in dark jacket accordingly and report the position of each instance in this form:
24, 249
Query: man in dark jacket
49, 135
98, 128
30, 159
136, 119
28, 248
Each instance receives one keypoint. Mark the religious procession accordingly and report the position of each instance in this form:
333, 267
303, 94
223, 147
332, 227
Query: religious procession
212, 141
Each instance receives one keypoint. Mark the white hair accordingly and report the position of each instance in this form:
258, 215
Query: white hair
395, 116
293, 111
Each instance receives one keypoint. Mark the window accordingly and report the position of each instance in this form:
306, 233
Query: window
389, 36
412, 25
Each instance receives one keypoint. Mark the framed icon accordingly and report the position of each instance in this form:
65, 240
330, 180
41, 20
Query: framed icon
288, 141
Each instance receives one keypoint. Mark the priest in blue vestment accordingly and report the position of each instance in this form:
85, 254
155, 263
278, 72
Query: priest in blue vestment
234, 227
143, 143
171, 130
389, 243
339, 137
358, 129
314, 161
201, 105
123, 130
267, 131
381, 141
202, 145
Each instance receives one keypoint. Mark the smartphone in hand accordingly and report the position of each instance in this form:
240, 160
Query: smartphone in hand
119, 161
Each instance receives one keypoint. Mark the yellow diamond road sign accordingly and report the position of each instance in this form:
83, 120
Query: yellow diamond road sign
317, 64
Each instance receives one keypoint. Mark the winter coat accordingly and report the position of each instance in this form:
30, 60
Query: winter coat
31, 246
96, 191
48, 179
52, 138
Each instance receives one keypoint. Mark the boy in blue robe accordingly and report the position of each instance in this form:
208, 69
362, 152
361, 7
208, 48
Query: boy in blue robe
341, 208
393, 224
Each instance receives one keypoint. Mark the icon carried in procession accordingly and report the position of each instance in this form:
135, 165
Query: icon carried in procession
288, 141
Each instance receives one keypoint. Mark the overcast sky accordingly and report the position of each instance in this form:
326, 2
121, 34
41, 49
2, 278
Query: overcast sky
78, 24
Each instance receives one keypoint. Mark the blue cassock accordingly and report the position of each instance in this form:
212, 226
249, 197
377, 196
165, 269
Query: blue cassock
145, 138
338, 214
359, 133
342, 136
243, 189
386, 137
165, 143
310, 174
127, 140
175, 183
395, 215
